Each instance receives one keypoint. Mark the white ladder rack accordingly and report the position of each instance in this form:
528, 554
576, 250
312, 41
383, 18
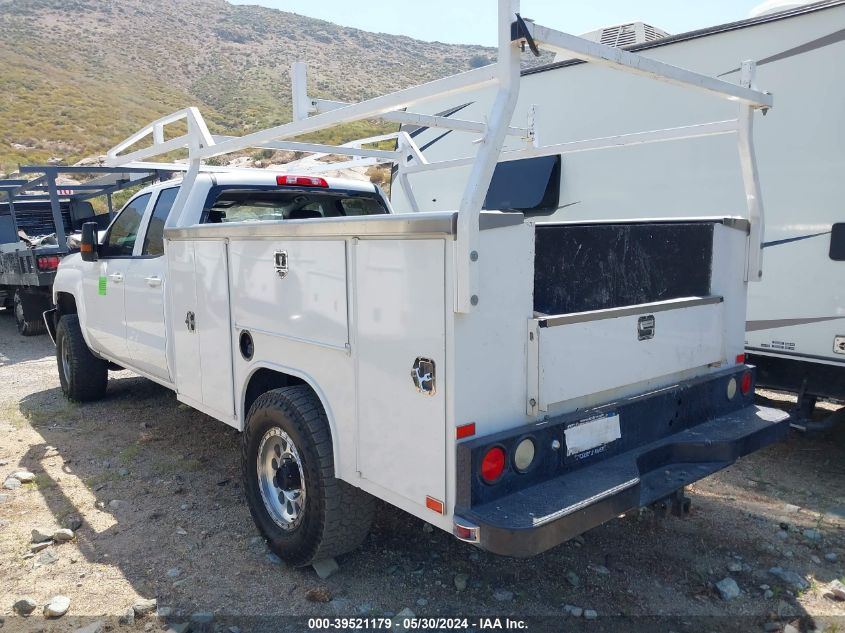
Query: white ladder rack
514, 34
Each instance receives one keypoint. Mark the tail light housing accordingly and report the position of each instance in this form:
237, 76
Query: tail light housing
493, 464
47, 262
746, 383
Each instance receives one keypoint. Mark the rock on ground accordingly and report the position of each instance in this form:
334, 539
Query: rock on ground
461, 581
57, 606
41, 534
63, 535
728, 589
143, 606
590, 614
23, 476
72, 522
25, 606
837, 589
12, 484
790, 577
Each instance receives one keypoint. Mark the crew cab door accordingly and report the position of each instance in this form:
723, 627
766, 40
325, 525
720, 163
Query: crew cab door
103, 283
144, 289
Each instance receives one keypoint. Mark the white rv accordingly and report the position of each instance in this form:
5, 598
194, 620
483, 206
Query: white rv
795, 331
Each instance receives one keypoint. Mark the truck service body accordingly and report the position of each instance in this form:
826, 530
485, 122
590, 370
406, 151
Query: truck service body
512, 382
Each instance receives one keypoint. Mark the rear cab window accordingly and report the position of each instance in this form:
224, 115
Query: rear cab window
271, 204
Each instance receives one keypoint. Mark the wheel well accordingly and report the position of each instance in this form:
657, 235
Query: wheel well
65, 303
265, 380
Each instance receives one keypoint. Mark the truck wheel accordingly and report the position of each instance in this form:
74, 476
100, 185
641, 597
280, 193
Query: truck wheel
303, 511
27, 325
83, 376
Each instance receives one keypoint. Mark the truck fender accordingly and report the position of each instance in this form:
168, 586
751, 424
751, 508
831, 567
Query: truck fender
302, 377
69, 281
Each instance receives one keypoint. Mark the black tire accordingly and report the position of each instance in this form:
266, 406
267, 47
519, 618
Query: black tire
84, 377
335, 516
27, 326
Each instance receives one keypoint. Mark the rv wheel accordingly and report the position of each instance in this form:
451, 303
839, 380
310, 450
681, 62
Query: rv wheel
28, 324
304, 512
82, 375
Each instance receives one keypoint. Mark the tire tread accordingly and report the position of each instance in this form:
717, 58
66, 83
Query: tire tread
348, 511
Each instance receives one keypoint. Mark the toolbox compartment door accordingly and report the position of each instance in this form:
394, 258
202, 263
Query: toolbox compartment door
400, 300
584, 353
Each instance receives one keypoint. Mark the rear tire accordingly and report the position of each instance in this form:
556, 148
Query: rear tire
27, 326
83, 376
300, 507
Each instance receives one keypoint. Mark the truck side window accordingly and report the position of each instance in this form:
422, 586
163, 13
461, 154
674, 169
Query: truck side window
154, 240
124, 230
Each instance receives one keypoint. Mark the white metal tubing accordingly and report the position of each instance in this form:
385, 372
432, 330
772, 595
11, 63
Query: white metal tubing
174, 219
467, 239
299, 89
751, 178
422, 120
621, 59
369, 109
197, 137
700, 130
318, 148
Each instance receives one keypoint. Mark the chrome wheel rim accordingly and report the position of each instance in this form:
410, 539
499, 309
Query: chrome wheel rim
65, 359
281, 479
19, 311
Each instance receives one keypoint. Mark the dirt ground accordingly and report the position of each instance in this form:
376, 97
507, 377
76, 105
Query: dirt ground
157, 486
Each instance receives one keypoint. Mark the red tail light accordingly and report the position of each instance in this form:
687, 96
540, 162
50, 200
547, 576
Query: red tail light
301, 181
47, 262
740, 359
493, 464
745, 383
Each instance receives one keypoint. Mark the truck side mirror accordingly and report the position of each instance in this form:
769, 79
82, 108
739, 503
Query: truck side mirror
88, 245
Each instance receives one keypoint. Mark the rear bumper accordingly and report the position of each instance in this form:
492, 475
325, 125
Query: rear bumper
534, 519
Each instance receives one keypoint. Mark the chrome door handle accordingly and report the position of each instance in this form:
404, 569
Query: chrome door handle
153, 281
116, 277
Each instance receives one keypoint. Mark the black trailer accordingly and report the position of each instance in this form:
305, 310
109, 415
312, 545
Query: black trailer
36, 219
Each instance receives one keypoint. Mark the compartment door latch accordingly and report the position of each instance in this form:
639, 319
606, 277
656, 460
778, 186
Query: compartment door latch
645, 327
280, 263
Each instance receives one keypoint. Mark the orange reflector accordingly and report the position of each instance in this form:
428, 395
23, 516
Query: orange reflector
463, 532
433, 504
465, 430
740, 359
86, 248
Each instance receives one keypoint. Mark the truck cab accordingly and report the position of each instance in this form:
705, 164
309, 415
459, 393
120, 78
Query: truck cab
122, 294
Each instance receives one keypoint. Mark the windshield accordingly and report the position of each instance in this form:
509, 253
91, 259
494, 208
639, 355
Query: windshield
240, 205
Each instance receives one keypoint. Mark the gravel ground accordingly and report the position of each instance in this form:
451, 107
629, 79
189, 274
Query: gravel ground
156, 486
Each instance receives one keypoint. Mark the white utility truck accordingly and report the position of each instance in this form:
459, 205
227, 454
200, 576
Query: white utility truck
512, 382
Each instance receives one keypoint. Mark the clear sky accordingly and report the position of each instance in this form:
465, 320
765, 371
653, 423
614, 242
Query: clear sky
474, 21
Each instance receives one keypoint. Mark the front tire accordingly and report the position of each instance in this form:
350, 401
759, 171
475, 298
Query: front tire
300, 507
83, 376
27, 326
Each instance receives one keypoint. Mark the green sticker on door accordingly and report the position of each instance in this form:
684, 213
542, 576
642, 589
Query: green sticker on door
101, 285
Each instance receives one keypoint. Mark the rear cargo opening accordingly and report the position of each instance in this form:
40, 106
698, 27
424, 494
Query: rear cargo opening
620, 304
583, 267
